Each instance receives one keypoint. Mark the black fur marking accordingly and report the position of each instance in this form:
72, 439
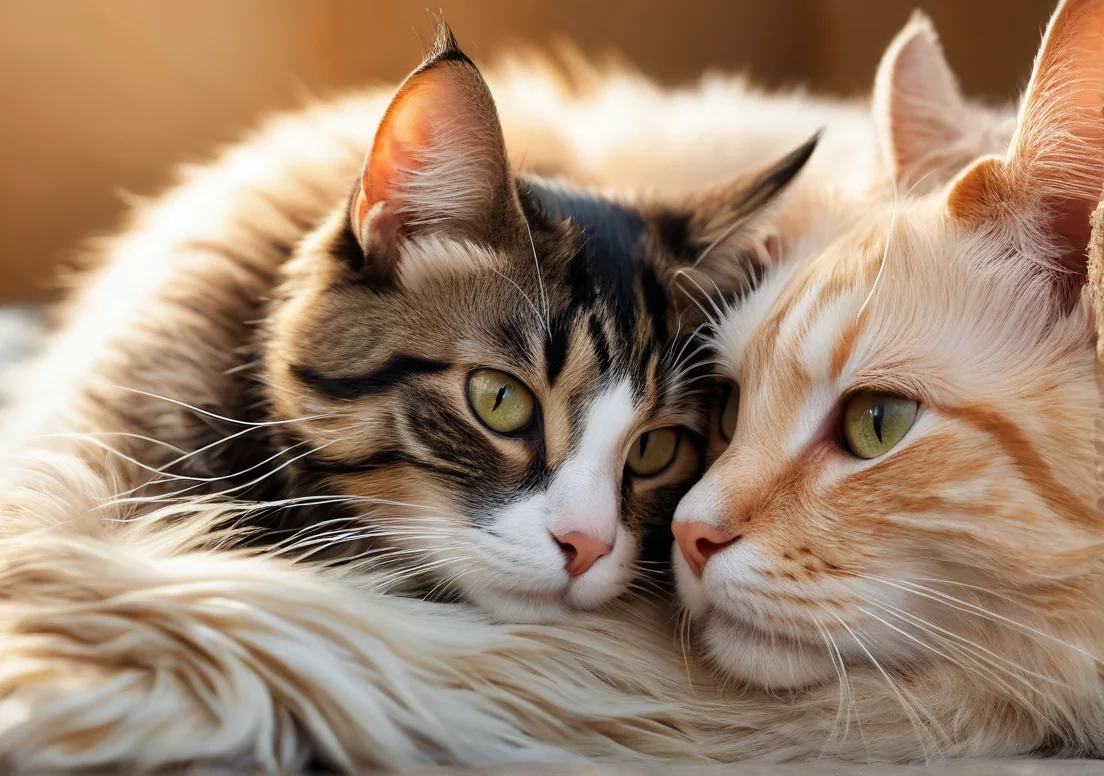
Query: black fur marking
445, 49
775, 179
374, 274
511, 337
537, 475
397, 369
578, 281
319, 465
555, 351
674, 234
600, 344
453, 439
611, 234
655, 301
642, 369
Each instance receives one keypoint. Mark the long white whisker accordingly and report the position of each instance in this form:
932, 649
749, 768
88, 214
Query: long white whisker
540, 281
965, 606
216, 416
885, 254
897, 690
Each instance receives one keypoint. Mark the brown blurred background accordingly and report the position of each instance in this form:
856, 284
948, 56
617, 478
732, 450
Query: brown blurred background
99, 97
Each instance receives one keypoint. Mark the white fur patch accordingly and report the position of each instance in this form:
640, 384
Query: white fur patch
585, 489
703, 504
825, 332
433, 255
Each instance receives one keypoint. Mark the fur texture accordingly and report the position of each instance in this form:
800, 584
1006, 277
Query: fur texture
964, 564
134, 634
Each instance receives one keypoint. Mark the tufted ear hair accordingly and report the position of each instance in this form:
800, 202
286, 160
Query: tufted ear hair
716, 230
1040, 194
438, 163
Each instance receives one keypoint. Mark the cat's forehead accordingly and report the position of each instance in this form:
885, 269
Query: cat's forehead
593, 244
802, 305
579, 300
906, 301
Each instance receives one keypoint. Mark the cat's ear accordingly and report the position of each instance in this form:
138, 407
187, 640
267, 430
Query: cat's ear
438, 163
1041, 193
719, 229
919, 111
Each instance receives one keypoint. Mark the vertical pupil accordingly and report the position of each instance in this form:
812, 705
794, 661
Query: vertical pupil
879, 416
501, 393
644, 442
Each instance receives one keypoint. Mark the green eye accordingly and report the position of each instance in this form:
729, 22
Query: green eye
875, 422
730, 411
653, 451
502, 402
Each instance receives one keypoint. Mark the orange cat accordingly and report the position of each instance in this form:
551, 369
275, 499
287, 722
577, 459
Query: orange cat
909, 491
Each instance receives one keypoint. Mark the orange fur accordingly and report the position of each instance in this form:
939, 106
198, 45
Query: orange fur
966, 563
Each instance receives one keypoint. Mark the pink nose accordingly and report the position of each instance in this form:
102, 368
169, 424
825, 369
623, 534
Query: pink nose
581, 551
700, 542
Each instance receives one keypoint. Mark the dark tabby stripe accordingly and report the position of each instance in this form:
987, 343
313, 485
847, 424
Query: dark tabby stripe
600, 344
611, 235
555, 353
655, 299
673, 229
398, 369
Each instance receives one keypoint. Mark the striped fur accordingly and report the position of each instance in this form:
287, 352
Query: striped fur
443, 263
134, 638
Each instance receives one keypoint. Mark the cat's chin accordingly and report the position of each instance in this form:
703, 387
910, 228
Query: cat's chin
516, 606
764, 659
746, 653
542, 606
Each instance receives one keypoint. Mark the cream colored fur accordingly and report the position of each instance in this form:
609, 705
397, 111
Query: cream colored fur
143, 643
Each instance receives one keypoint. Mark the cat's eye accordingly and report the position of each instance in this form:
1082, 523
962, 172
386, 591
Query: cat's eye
500, 401
874, 423
730, 411
653, 451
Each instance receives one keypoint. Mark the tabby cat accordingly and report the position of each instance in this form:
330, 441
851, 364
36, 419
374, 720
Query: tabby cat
909, 490
506, 363
488, 381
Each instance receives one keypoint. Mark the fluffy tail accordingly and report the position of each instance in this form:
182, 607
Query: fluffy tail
142, 643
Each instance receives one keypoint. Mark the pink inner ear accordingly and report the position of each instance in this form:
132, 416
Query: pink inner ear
1072, 224
406, 127
917, 102
438, 163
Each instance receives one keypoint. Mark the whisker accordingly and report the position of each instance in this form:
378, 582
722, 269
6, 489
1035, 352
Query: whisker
895, 687
885, 254
981, 667
965, 606
210, 414
540, 281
